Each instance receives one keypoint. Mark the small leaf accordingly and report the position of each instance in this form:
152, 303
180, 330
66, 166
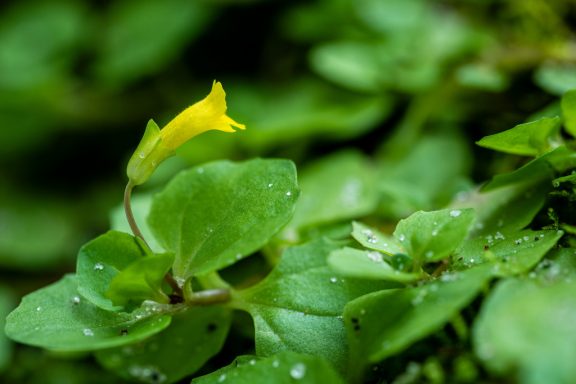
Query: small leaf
141, 280
100, 261
526, 329
185, 346
432, 236
513, 253
352, 262
298, 306
569, 111
376, 240
285, 367
57, 317
382, 324
211, 216
529, 139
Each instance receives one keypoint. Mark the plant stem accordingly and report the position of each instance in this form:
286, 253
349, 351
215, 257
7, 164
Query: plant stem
168, 278
129, 214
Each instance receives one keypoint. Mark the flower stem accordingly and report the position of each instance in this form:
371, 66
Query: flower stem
129, 214
168, 278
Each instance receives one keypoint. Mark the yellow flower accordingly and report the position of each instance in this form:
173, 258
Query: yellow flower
157, 145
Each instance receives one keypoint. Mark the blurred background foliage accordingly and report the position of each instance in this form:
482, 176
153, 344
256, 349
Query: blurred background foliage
379, 103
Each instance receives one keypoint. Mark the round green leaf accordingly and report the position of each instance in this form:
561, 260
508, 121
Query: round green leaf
213, 215
57, 317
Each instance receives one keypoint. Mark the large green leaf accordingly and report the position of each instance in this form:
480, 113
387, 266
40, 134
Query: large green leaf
527, 328
299, 305
58, 317
337, 187
529, 139
101, 260
284, 368
192, 338
384, 323
213, 215
432, 236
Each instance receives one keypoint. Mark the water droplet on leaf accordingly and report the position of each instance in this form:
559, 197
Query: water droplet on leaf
298, 371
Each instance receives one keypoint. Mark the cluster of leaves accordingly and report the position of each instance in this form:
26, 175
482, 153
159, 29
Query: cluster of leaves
348, 302
479, 295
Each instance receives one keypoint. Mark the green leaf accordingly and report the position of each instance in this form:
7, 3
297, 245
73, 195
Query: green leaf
101, 260
141, 280
425, 176
382, 324
556, 78
512, 252
131, 48
433, 236
537, 170
192, 338
212, 216
57, 317
527, 329
292, 114
337, 187
507, 208
376, 240
352, 262
284, 368
30, 65
529, 139
569, 111
299, 305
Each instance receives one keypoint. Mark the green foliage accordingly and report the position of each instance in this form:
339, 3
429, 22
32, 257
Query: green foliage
538, 345
58, 317
285, 367
299, 305
530, 139
213, 215
401, 253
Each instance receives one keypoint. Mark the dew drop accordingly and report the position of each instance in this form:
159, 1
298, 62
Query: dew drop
275, 363
98, 267
288, 193
76, 300
222, 378
38, 309
200, 170
526, 238
435, 232
333, 279
298, 371
238, 256
429, 254
270, 185
141, 155
88, 332
375, 257
252, 362
402, 237
455, 213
